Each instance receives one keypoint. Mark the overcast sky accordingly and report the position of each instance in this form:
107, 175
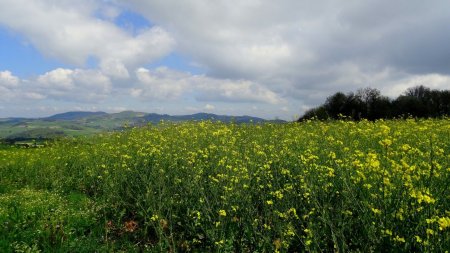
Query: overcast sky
256, 57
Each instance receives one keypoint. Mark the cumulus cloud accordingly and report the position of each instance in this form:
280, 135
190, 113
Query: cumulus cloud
161, 84
75, 85
433, 81
71, 32
8, 85
296, 48
82, 85
7, 79
13, 88
233, 91
164, 83
60, 79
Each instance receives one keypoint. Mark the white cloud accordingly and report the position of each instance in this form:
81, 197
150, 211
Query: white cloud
114, 68
433, 81
90, 86
7, 79
6, 94
74, 85
305, 50
109, 12
164, 83
34, 95
233, 91
209, 107
245, 39
8, 85
70, 31
57, 79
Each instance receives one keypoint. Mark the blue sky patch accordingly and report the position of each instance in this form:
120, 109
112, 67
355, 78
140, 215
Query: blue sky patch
22, 58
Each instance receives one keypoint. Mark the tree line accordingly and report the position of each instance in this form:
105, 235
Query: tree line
368, 103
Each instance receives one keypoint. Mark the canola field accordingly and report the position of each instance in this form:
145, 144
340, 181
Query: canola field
337, 186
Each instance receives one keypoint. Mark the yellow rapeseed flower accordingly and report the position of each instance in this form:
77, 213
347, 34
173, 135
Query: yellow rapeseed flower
376, 211
444, 223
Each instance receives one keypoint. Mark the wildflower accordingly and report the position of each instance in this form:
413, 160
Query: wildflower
422, 197
444, 223
418, 239
376, 211
277, 194
222, 213
280, 214
293, 211
385, 142
406, 147
154, 217
290, 232
399, 239
387, 232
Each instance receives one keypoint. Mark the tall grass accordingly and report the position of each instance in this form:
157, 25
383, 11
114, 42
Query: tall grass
335, 186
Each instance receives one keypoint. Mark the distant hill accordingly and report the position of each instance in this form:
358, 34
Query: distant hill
74, 115
80, 123
127, 115
155, 118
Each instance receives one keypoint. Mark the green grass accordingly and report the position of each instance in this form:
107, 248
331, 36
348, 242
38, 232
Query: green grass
214, 187
41, 220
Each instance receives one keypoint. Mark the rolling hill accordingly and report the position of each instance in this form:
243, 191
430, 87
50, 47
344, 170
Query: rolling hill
81, 123
74, 115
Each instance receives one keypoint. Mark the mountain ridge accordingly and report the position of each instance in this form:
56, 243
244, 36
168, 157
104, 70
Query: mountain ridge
72, 115
84, 123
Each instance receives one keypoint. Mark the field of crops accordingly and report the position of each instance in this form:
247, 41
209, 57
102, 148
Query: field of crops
335, 186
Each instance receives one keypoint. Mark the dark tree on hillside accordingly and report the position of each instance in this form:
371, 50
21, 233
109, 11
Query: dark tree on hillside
368, 103
354, 107
422, 102
405, 106
420, 92
375, 105
335, 104
315, 113
380, 108
444, 102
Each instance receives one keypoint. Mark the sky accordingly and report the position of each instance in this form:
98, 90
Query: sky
271, 59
